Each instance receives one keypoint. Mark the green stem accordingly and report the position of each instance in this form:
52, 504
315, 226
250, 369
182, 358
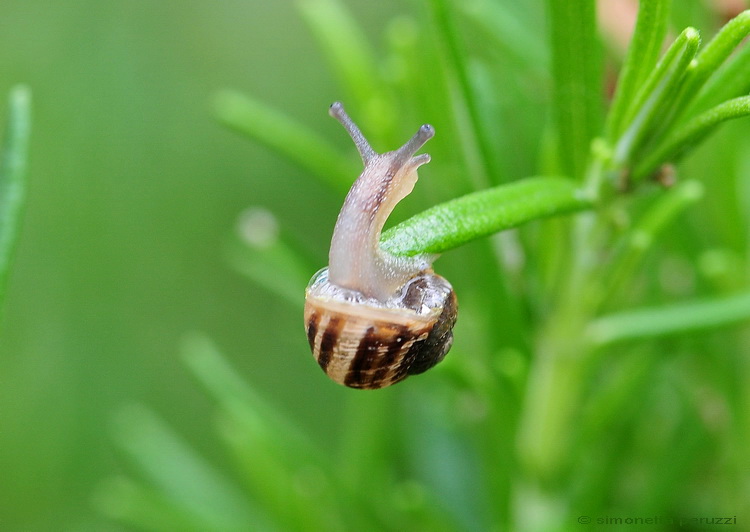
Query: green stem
557, 377
553, 393
459, 221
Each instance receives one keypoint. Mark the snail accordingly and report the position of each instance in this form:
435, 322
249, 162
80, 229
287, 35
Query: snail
373, 318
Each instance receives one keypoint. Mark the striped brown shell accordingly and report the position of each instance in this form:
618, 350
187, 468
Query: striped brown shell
371, 346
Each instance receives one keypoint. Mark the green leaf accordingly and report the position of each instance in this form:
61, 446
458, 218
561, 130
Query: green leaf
260, 253
353, 60
654, 101
144, 509
13, 177
459, 221
238, 399
731, 81
183, 477
342, 39
576, 69
477, 146
673, 319
714, 54
272, 454
708, 61
692, 133
666, 207
642, 56
511, 35
664, 210
289, 138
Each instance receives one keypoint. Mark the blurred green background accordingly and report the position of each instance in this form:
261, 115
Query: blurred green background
135, 190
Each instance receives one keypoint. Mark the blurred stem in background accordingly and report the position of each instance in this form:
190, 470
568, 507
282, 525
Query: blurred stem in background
13, 177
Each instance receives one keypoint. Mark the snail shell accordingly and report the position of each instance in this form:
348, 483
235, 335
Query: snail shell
372, 318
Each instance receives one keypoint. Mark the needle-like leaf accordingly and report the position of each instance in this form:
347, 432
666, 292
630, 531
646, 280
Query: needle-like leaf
13, 177
677, 318
456, 222
576, 69
643, 53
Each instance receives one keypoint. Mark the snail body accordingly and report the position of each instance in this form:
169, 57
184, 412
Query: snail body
372, 318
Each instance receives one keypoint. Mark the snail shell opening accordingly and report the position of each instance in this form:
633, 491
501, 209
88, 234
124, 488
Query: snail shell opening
365, 343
